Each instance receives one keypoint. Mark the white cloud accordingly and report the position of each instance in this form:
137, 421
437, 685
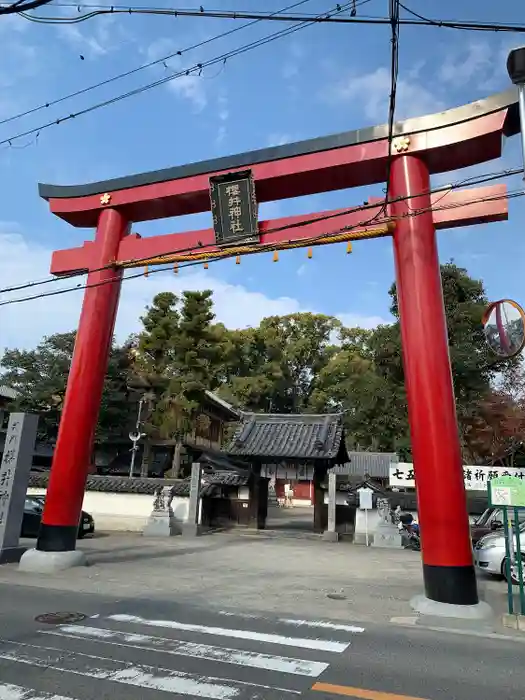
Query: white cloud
370, 92
223, 113
23, 325
278, 139
189, 87
291, 65
467, 64
302, 270
82, 42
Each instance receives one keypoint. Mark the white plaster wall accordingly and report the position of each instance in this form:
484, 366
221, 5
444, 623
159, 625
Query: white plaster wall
127, 512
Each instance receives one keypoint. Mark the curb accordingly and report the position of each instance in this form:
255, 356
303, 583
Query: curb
514, 622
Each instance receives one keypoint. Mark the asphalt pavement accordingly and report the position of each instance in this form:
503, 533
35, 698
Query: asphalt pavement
141, 649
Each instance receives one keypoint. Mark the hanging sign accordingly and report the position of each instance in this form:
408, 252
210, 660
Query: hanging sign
234, 208
401, 475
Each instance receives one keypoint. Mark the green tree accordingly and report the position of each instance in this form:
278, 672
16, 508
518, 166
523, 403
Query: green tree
275, 367
365, 377
180, 354
39, 377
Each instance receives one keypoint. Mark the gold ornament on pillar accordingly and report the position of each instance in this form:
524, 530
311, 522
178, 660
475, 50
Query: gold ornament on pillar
401, 144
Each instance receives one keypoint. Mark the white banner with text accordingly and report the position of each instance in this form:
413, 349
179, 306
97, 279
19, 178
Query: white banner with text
402, 475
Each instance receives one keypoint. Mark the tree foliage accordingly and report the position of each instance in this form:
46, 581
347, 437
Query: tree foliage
302, 362
39, 377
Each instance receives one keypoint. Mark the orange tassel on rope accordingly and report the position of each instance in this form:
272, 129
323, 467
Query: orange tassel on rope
309, 254
348, 248
176, 268
275, 256
206, 266
146, 271
238, 260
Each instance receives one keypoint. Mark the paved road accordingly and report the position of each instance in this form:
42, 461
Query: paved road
137, 649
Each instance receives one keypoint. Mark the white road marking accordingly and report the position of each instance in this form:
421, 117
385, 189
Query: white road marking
322, 625
140, 675
306, 623
268, 662
8, 691
317, 644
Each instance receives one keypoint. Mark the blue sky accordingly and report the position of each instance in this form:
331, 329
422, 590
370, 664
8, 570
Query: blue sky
321, 80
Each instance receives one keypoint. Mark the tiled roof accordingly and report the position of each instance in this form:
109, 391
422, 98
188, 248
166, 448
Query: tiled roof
6, 392
375, 464
301, 436
234, 413
118, 484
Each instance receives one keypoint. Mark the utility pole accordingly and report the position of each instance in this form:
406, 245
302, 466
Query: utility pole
516, 71
135, 437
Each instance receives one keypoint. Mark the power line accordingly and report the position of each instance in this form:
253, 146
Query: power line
467, 25
266, 247
143, 66
196, 68
21, 6
473, 180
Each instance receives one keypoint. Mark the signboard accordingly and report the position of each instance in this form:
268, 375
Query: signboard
507, 491
365, 498
401, 475
234, 208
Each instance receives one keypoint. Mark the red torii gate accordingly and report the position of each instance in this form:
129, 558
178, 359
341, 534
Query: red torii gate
446, 141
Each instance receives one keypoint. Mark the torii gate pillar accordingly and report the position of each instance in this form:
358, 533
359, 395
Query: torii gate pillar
448, 570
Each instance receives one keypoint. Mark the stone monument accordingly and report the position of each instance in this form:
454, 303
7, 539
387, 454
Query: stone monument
161, 522
331, 533
387, 533
192, 527
16, 465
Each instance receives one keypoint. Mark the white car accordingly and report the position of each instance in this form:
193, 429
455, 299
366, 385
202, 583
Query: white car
490, 555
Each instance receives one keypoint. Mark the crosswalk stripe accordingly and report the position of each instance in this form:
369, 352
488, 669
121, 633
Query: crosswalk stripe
302, 643
268, 662
353, 629
140, 675
8, 691
322, 624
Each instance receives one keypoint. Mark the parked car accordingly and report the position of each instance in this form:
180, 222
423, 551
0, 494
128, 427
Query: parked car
33, 509
490, 521
490, 555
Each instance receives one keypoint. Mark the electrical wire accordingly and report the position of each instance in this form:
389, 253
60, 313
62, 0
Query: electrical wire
144, 66
467, 25
472, 180
20, 6
196, 68
201, 13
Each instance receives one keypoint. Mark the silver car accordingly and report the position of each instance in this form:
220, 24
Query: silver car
489, 554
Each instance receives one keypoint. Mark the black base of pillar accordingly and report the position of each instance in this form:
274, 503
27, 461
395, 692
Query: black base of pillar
57, 538
455, 585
